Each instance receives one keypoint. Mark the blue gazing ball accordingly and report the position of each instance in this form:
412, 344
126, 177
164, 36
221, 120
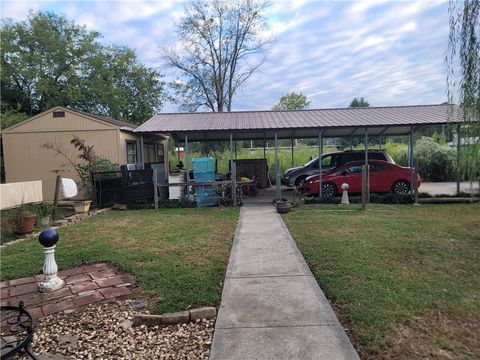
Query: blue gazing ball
48, 237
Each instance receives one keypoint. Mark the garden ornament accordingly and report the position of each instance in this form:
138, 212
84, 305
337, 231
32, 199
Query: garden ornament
345, 188
51, 282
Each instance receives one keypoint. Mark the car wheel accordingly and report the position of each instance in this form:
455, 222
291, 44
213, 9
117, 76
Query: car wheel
401, 187
299, 181
329, 190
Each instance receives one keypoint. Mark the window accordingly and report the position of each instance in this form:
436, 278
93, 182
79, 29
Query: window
160, 153
57, 114
376, 156
326, 160
149, 153
131, 152
354, 169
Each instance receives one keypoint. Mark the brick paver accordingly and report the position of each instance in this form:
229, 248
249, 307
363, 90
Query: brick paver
115, 291
84, 285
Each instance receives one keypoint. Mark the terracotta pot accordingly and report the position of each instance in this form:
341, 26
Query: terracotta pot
82, 207
283, 207
26, 225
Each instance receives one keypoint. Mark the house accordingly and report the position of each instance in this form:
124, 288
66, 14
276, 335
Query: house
25, 159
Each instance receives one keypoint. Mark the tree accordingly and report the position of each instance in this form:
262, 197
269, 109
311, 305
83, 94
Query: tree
292, 101
120, 86
86, 163
220, 44
463, 80
359, 103
354, 141
48, 61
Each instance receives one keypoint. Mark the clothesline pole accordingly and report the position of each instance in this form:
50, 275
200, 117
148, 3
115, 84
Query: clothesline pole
55, 198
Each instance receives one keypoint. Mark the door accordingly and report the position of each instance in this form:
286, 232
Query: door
353, 177
379, 178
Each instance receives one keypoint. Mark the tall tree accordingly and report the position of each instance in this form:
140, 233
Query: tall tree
292, 101
220, 44
463, 80
40, 58
354, 141
361, 102
48, 60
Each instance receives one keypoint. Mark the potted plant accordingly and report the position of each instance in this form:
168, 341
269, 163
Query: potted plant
283, 205
82, 206
44, 211
24, 220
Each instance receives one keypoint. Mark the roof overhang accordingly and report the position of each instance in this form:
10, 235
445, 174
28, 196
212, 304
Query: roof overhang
387, 121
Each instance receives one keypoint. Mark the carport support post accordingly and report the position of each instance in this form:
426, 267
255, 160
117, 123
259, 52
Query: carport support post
367, 169
233, 173
278, 190
155, 188
320, 154
292, 151
364, 186
458, 159
142, 155
410, 160
187, 167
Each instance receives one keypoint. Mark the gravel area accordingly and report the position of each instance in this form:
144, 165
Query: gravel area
103, 331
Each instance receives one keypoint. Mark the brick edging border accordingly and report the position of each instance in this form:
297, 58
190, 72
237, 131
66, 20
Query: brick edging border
175, 318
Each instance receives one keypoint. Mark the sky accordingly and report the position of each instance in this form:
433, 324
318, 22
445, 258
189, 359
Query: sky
388, 52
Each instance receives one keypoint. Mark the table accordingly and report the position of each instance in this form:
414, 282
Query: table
16, 330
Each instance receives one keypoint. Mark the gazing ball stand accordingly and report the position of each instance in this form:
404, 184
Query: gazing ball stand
51, 282
345, 188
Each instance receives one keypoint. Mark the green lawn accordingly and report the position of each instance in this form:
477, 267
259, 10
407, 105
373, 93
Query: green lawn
179, 255
405, 280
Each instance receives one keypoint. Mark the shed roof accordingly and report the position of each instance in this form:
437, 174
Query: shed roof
392, 120
119, 123
122, 125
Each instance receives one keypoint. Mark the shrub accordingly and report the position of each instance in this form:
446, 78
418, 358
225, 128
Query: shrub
398, 152
433, 161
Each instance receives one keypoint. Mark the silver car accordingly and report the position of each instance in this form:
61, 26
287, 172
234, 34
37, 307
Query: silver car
296, 176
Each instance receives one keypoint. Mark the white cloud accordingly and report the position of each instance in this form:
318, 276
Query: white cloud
17, 10
388, 52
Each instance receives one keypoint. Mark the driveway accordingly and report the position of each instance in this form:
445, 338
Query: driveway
449, 188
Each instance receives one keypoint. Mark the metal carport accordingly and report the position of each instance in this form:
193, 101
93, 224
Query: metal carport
321, 123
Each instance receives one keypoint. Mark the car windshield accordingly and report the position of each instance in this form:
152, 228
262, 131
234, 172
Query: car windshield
312, 162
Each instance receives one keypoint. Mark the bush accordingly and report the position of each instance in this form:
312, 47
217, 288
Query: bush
433, 161
398, 152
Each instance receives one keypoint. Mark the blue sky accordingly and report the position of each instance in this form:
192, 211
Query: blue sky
389, 52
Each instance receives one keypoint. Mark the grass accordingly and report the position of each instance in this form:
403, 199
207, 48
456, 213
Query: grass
178, 255
404, 279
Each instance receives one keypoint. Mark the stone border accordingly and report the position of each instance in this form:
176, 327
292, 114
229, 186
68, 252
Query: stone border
175, 318
74, 219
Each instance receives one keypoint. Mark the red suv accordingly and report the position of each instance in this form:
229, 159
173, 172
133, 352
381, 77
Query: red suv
384, 177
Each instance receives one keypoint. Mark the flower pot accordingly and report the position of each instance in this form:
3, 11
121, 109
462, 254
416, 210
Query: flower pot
82, 207
44, 220
283, 207
25, 225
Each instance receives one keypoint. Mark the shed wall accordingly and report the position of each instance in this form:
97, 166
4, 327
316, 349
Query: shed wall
26, 160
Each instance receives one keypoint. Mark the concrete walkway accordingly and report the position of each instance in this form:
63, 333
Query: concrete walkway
272, 306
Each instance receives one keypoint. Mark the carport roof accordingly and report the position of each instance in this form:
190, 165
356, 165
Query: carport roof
246, 125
